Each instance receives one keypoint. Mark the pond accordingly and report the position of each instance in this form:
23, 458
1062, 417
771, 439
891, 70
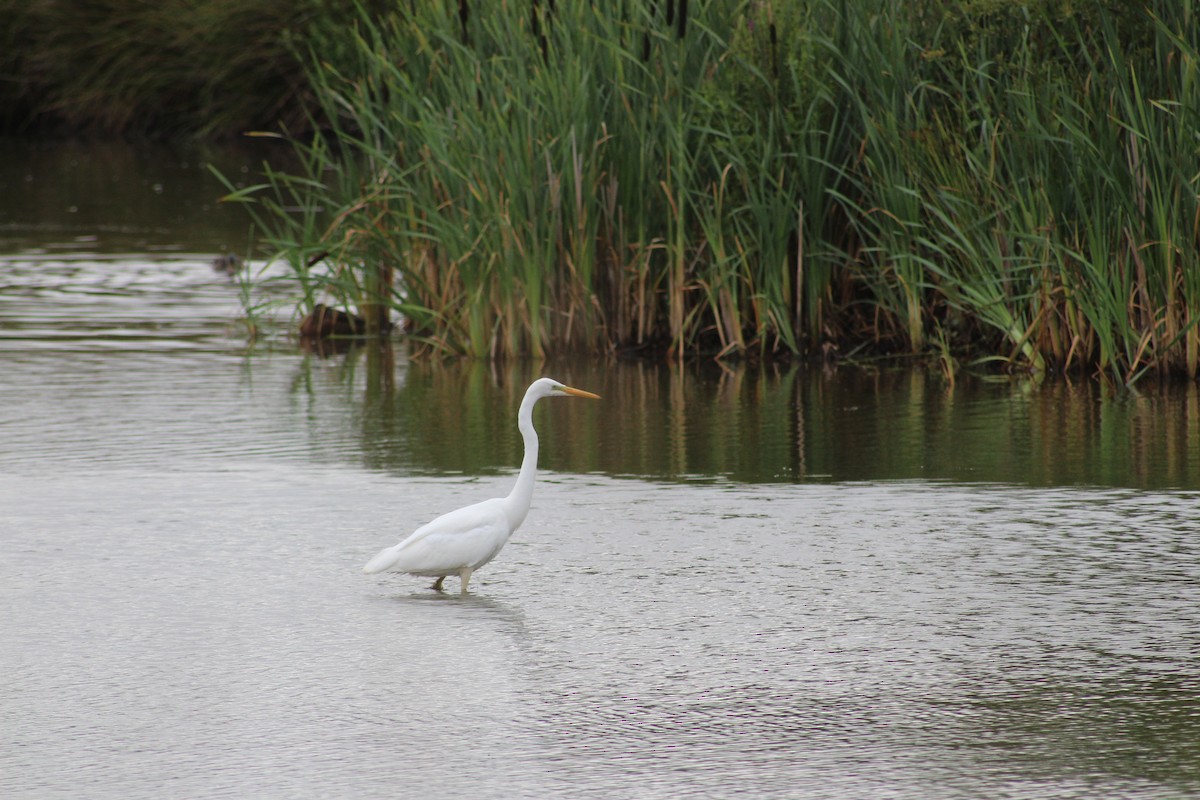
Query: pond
790, 582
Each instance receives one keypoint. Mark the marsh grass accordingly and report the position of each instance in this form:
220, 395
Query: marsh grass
1013, 181
167, 69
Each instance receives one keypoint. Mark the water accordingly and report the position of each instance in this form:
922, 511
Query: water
777, 584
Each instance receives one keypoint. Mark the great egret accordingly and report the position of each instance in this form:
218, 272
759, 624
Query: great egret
462, 541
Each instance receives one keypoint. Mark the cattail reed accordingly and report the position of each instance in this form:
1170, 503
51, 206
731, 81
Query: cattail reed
755, 178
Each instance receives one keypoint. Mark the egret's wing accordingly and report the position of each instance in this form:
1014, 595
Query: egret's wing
450, 552
466, 537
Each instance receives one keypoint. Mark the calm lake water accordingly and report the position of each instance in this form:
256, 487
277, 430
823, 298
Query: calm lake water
782, 583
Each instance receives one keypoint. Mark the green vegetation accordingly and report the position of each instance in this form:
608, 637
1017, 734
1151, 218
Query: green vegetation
983, 181
171, 68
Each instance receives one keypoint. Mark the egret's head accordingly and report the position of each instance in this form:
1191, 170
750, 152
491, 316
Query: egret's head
545, 387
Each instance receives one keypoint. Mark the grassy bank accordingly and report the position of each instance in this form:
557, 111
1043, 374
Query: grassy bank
168, 69
980, 180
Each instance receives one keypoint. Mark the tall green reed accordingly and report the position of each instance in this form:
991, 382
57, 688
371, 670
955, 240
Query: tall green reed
513, 166
1017, 180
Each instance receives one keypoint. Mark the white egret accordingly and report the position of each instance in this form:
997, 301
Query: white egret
462, 541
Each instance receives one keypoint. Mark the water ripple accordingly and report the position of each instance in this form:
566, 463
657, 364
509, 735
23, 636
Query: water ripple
185, 613
634, 640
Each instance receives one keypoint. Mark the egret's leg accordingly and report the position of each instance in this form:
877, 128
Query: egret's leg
437, 585
465, 574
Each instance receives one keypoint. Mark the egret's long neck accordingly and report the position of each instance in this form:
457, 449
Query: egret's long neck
518, 500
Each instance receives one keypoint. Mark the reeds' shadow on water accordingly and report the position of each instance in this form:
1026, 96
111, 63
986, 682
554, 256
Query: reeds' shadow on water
787, 424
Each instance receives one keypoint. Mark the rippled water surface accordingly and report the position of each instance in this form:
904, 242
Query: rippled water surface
782, 583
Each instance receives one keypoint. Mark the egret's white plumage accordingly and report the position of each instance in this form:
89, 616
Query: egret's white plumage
462, 541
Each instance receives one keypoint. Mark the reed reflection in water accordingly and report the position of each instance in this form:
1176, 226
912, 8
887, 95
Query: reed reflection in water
786, 424
373, 408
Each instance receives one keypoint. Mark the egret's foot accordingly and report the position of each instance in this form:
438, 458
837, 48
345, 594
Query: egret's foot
437, 585
465, 574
